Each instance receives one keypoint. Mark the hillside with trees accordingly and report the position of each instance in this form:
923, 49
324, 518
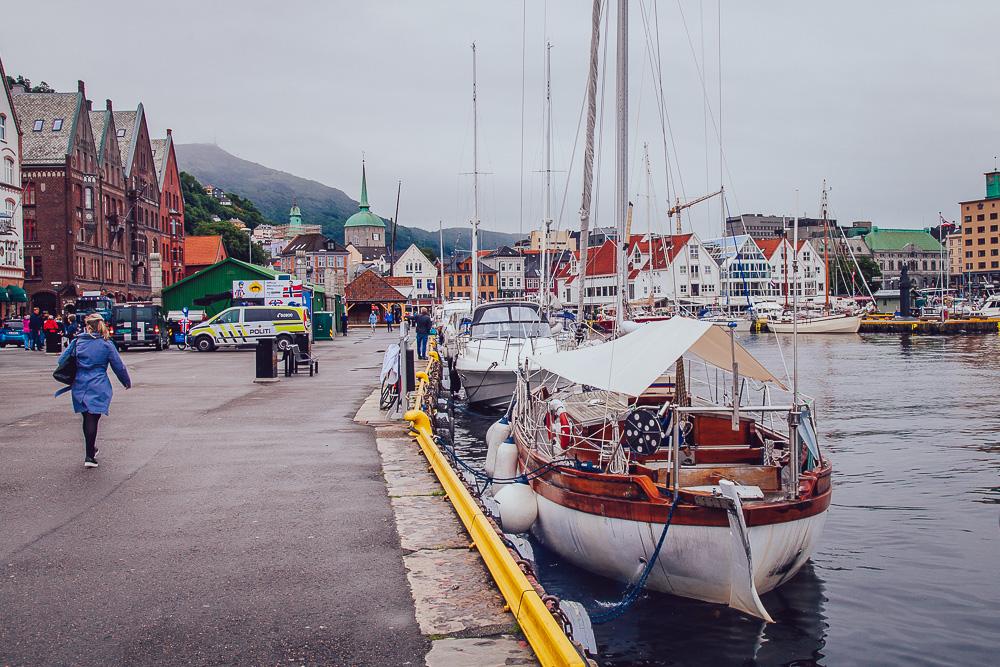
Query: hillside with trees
201, 209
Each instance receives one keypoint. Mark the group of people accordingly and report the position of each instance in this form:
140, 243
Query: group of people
421, 322
40, 324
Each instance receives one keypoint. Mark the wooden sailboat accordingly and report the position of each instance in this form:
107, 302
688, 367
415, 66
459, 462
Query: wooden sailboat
616, 465
829, 322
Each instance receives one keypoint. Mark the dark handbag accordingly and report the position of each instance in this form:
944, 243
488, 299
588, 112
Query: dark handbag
66, 371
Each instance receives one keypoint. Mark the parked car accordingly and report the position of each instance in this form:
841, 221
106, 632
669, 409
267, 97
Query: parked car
139, 325
11, 333
244, 325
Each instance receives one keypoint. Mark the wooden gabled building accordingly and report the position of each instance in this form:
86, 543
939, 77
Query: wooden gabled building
142, 221
63, 255
113, 277
171, 220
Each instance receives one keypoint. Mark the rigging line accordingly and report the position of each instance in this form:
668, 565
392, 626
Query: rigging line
595, 205
524, 31
666, 129
716, 124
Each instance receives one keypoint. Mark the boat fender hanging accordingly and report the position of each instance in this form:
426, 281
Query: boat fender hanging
505, 467
642, 433
518, 507
557, 411
495, 434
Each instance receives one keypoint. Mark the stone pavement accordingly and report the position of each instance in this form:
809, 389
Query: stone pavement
229, 523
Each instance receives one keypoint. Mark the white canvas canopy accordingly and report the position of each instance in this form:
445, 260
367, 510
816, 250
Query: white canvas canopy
631, 364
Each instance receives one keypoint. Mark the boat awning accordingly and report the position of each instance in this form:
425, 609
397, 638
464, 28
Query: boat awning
632, 363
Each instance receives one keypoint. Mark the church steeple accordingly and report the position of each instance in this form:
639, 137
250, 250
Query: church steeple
363, 204
294, 217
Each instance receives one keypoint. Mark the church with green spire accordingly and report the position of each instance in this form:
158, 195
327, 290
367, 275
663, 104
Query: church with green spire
364, 229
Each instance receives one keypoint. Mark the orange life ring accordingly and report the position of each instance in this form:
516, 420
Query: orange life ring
565, 432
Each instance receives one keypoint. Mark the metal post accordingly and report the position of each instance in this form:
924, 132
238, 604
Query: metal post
736, 377
676, 450
793, 414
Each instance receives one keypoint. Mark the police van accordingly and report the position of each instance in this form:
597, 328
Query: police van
244, 325
139, 325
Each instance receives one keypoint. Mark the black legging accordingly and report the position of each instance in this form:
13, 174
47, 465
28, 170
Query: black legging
90, 420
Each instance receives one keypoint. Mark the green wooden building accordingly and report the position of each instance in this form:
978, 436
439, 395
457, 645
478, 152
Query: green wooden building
211, 289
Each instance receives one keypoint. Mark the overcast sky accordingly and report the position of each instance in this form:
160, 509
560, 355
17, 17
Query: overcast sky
896, 104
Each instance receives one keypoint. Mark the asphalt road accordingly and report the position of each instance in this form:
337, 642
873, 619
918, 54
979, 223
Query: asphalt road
229, 523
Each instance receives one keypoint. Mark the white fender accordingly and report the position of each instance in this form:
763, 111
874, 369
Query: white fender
518, 507
497, 433
506, 460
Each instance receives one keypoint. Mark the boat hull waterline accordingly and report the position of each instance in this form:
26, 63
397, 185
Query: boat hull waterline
598, 544
847, 324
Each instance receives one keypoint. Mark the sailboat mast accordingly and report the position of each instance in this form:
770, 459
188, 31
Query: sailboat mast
588, 156
793, 417
475, 186
621, 163
649, 220
547, 222
826, 246
441, 260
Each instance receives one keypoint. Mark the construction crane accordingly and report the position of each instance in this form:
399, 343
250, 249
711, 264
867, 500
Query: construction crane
678, 207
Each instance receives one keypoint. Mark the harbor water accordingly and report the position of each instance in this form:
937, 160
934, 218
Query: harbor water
908, 569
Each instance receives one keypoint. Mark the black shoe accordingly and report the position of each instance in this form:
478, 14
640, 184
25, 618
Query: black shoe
90, 463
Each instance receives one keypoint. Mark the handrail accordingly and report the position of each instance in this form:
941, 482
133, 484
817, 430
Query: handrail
543, 632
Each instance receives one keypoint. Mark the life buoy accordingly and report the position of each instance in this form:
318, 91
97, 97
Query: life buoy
565, 432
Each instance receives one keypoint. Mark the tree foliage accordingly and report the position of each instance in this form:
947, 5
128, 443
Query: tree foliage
199, 209
20, 80
842, 270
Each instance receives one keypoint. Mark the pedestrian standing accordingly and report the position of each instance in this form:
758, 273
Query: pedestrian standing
423, 324
26, 335
91, 387
373, 320
388, 321
71, 328
343, 322
35, 327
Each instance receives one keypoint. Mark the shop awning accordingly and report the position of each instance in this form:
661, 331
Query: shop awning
3, 295
17, 294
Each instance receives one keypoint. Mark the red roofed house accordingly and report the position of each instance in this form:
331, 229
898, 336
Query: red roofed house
661, 268
202, 251
370, 290
778, 252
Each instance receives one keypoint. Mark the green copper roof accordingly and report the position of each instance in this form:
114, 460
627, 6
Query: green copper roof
898, 239
364, 217
295, 216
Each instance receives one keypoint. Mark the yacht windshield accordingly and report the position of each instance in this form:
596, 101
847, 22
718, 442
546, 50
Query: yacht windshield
509, 321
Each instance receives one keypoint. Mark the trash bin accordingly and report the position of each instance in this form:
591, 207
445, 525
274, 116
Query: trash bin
302, 340
53, 342
266, 361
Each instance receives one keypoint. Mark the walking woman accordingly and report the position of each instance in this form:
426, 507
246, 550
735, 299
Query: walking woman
92, 387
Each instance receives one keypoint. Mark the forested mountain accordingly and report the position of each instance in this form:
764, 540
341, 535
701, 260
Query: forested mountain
273, 192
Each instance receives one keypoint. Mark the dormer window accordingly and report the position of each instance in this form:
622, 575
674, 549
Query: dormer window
57, 124
39, 124
121, 132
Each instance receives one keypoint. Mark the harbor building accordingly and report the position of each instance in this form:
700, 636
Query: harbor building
762, 227
171, 221
421, 272
981, 234
12, 295
746, 272
458, 279
917, 249
560, 239
509, 265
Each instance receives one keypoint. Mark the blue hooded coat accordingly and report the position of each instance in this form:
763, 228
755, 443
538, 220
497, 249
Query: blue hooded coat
92, 387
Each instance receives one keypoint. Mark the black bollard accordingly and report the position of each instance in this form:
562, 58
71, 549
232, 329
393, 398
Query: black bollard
266, 359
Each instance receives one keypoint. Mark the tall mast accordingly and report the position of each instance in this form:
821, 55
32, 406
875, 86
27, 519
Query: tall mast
649, 221
621, 163
475, 187
543, 293
441, 260
793, 417
784, 255
588, 156
826, 245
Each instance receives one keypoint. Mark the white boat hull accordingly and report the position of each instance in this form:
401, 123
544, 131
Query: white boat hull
488, 388
742, 325
694, 561
827, 325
